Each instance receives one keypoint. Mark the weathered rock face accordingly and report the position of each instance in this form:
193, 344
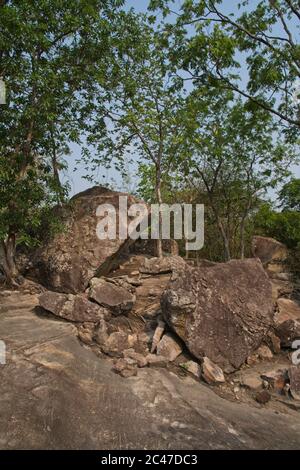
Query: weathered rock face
212, 374
169, 347
71, 307
74, 256
294, 376
268, 249
222, 312
287, 321
116, 298
162, 265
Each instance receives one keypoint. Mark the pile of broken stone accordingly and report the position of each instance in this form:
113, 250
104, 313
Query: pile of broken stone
230, 324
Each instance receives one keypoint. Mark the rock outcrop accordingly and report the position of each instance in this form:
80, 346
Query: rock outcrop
268, 250
287, 321
222, 312
75, 308
294, 376
75, 255
111, 296
162, 265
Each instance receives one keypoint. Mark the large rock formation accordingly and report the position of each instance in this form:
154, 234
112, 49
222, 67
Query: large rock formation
287, 321
107, 294
222, 312
75, 308
75, 254
268, 250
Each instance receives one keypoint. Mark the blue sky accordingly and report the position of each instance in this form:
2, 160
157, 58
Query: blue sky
75, 179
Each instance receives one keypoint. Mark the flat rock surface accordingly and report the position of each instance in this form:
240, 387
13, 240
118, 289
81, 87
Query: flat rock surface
56, 393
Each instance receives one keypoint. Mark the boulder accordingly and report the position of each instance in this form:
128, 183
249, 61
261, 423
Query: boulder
223, 311
288, 332
76, 308
274, 342
162, 265
268, 250
264, 352
138, 358
276, 378
287, 321
192, 367
124, 368
212, 373
281, 289
159, 331
294, 376
86, 332
263, 397
117, 342
156, 361
287, 310
111, 296
169, 347
252, 382
73, 256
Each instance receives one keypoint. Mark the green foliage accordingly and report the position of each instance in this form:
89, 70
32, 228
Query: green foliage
54, 59
284, 226
290, 195
144, 123
212, 45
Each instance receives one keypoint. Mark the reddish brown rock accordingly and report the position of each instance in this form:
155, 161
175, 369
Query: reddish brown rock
169, 347
162, 265
111, 296
156, 361
263, 397
222, 312
268, 249
123, 368
138, 358
276, 378
287, 321
252, 382
117, 342
287, 309
274, 342
76, 308
159, 331
212, 373
86, 332
75, 255
288, 332
264, 352
294, 376
192, 367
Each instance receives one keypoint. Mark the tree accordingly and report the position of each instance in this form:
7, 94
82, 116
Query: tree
290, 195
50, 55
213, 41
233, 160
144, 121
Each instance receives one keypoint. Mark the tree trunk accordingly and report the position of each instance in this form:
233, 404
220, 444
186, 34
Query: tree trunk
227, 253
242, 237
159, 251
7, 260
55, 167
222, 230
